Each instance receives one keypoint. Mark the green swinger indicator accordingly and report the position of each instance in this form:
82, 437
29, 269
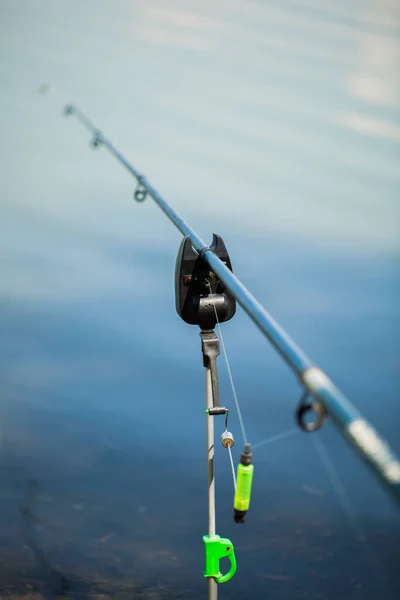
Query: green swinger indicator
244, 480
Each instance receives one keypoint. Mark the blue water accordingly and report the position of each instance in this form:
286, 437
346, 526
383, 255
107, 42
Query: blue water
276, 125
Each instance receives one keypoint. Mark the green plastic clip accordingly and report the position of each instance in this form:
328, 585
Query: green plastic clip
215, 549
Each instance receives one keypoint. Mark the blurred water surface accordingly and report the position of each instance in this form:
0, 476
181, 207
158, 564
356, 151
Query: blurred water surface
276, 125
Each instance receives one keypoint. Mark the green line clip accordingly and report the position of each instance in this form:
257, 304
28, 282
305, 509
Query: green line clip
215, 549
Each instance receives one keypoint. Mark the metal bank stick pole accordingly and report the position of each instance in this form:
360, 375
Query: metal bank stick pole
202, 300
212, 584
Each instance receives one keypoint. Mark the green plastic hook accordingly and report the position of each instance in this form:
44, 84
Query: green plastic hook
215, 549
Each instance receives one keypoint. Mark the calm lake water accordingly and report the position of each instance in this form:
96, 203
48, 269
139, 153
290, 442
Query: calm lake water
276, 125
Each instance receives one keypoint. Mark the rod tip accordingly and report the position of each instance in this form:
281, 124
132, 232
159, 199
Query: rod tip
44, 88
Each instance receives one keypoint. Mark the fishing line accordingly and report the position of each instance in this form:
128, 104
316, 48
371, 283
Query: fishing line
336, 483
268, 440
275, 438
233, 467
348, 507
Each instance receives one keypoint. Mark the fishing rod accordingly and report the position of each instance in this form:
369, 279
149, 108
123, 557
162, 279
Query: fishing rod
320, 398
327, 398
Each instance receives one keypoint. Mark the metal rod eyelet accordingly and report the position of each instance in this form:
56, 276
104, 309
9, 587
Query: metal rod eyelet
140, 194
304, 409
96, 141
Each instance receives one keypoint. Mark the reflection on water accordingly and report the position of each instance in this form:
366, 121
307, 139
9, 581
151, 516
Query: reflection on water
275, 125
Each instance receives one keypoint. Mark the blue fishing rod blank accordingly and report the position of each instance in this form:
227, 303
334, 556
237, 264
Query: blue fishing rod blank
326, 399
